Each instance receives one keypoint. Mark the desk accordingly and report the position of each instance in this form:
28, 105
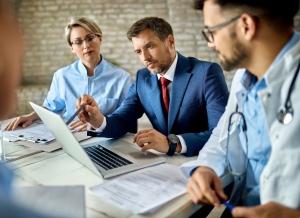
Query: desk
58, 168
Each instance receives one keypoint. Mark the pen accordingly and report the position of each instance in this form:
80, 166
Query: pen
76, 113
229, 206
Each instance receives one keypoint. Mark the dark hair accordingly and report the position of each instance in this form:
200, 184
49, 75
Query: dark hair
273, 10
162, 29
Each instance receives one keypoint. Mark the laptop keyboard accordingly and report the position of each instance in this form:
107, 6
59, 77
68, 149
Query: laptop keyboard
106, 158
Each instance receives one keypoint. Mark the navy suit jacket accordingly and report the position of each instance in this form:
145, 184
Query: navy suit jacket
198, 98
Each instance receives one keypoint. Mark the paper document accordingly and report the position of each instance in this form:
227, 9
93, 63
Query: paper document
37, 133
145, 190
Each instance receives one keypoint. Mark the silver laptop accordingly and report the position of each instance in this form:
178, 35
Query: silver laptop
105, 158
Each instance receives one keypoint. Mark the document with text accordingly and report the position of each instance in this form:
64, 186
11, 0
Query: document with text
145, 190
36, 132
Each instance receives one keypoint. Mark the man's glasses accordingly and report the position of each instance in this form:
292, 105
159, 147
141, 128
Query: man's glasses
207, 31
89, 38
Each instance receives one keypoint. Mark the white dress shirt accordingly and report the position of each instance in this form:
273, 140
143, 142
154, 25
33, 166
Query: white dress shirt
168, 75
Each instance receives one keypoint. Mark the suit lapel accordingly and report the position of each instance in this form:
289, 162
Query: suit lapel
154, 94
179, 85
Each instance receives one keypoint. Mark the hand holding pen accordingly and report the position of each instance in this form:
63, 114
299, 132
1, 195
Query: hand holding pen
77, 123
90, 113
205, 187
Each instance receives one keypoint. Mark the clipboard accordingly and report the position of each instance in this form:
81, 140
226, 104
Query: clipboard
35, 133
28, 138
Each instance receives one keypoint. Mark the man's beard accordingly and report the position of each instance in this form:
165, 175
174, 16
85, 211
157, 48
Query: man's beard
164, 65
238, 55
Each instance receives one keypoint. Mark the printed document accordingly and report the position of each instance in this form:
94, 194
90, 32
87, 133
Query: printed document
145, 190
39, 133
36, 132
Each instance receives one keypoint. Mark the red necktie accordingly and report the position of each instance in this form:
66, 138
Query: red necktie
164, 84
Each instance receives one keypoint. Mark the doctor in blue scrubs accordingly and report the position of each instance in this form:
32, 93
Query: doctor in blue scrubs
91, 75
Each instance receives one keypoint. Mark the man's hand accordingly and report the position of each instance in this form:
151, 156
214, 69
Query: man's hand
269, 210
204, 187
91, 112
155, 140
78, 123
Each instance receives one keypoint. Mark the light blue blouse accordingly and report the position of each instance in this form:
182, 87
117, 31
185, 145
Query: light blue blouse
108, 86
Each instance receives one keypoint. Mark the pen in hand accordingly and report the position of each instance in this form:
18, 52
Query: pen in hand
76, 113
228, 205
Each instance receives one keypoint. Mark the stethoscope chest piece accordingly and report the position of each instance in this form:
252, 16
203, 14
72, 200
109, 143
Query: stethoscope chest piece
285, 114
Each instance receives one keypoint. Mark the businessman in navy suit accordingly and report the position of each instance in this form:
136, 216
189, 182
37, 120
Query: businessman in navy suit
183, 98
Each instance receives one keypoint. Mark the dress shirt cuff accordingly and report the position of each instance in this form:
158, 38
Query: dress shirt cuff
188, 170
100, 129
183, 145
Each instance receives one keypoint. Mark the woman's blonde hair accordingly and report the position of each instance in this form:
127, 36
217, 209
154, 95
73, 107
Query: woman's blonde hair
84, 22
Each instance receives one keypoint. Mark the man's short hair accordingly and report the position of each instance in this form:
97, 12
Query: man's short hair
274, 11
162, 29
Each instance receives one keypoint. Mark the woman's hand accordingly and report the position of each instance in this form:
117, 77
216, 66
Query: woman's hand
23, 121
78, 123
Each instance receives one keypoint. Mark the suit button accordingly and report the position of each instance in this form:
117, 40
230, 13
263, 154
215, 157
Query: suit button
269, 94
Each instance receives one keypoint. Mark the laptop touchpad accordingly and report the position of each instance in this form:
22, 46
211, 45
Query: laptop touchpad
127, 150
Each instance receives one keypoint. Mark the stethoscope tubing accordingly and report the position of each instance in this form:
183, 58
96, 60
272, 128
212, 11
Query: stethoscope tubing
291, 87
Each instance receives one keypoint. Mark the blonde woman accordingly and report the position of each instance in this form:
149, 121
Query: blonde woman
91, 75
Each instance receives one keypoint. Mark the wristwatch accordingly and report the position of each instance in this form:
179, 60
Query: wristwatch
173, 142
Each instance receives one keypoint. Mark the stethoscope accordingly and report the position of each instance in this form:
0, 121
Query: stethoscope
285, 112
284, 115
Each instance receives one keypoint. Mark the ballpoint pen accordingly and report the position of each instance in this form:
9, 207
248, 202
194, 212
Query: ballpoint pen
228, 205
76, 113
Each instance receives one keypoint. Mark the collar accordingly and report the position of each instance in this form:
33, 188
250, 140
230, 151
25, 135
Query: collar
97, 70
248, 80
171, 71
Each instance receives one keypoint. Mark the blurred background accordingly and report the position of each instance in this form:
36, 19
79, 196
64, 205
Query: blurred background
43, 23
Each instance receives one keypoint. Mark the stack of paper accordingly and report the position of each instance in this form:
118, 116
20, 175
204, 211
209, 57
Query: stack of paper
145, 190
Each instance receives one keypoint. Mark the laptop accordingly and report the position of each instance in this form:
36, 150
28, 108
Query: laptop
107, 158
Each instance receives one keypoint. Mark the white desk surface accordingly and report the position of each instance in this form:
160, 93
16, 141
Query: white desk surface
58, 168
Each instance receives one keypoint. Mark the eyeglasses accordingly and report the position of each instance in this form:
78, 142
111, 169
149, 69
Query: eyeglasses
89, 38
207, 31
237, 156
